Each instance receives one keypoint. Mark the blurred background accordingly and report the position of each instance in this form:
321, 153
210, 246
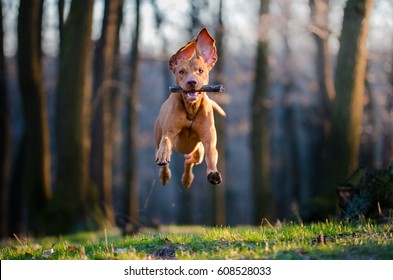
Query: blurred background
309, 99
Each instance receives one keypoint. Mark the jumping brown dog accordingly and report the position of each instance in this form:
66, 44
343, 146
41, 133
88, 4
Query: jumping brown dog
186, 121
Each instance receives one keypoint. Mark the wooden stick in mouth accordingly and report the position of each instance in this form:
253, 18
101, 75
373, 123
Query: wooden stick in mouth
207, 88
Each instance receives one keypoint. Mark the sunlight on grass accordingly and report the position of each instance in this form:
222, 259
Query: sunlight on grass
329, 240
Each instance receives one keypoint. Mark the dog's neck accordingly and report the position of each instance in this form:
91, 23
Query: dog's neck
192, 108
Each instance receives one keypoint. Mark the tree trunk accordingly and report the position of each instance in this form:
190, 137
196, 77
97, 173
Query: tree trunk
118, 91
37, 169
263, 197
347, 108
5, 138
73, 115
389, 140
391, 103
194, 16
60, 10
131, 191
101, 150
220, 123
320, 30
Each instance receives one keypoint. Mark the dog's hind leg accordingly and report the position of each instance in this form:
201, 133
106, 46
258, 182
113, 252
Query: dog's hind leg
165, 174
188, 176
191, 159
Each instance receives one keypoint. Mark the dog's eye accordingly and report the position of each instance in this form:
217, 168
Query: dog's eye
200, 70
181, 72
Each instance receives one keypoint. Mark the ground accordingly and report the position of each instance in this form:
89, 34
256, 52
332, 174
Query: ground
329, 240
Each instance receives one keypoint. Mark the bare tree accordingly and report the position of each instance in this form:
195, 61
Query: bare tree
37, 163
5, 137
319, 27
347, 107
102, 142
131, 189
263, 197
195, 15
72, 121
220, 123
60, 10
389, 140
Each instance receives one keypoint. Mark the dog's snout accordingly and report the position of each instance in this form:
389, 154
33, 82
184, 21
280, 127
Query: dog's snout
192, 82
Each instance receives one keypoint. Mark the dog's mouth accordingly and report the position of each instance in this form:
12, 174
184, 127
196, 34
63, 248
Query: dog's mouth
191, 96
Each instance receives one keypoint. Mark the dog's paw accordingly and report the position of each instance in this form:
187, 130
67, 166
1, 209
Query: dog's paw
165, 174
187, 180
163, 157
214, 178
161, 163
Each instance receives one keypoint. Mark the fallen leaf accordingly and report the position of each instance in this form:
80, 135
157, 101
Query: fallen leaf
46, 254
300, 252
118, 251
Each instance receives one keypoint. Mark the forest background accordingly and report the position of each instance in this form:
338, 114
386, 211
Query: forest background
309, 99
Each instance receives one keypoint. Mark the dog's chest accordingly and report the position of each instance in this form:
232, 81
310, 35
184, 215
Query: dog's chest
187, 133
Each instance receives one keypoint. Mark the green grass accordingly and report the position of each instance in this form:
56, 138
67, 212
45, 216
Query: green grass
330, 240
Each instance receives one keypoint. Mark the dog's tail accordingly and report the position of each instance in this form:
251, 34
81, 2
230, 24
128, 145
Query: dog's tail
217, 108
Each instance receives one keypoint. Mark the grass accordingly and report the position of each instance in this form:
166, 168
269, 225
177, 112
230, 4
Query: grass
329, 240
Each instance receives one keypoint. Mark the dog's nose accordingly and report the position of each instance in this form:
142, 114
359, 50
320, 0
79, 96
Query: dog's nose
192, 82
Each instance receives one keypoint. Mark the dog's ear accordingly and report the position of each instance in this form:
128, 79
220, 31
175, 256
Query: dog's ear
186, 52
206, 48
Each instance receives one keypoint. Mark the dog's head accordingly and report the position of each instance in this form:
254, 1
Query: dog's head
192, 63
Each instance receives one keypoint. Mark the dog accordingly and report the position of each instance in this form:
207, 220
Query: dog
185, 122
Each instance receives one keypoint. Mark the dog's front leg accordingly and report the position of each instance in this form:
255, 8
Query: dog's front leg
213, 176
164, 151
